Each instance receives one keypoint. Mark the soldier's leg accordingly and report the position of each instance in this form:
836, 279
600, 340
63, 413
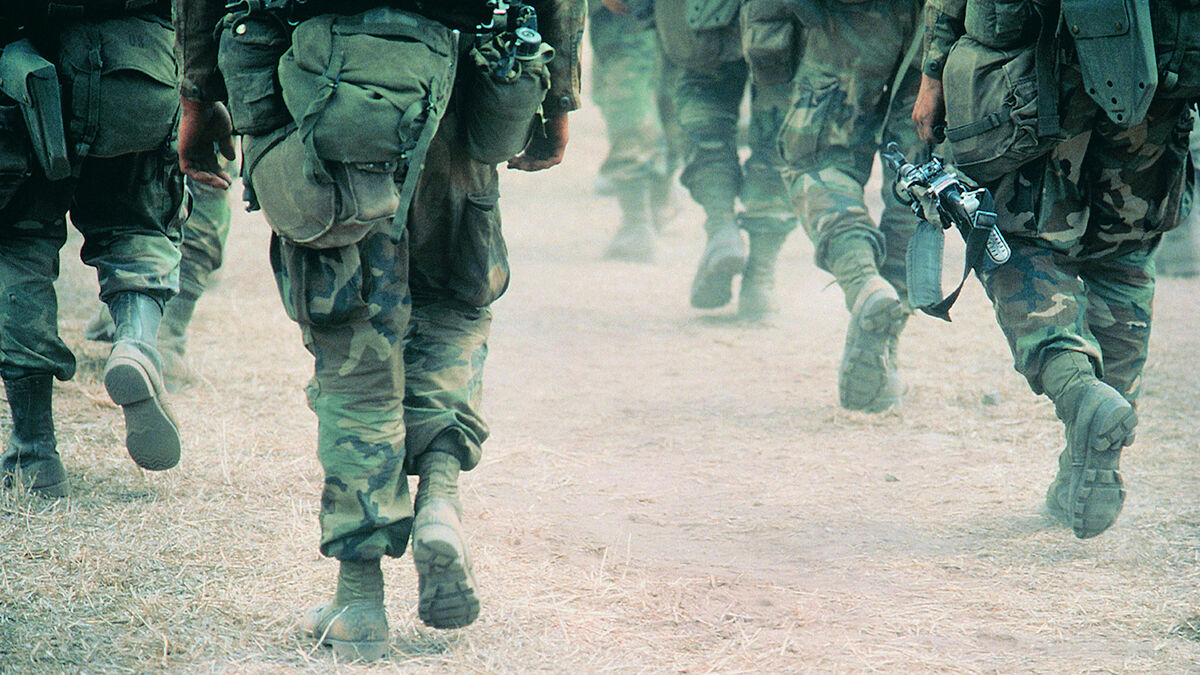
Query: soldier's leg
1120, 293
625, 52
767, 214
128, 210
204, 236
32, 230
352, 304
828, 144
707, 105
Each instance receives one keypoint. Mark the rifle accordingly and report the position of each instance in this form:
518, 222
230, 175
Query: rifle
933, 190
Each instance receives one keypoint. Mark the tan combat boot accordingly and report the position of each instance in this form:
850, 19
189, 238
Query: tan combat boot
446, 583
355, 623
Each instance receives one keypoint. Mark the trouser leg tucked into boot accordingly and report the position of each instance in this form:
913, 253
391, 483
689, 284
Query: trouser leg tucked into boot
355, 623
31, 457
133, 379
724, 258
445, 581
1099, 422
634, 241
756, 297
868, 378
172, 340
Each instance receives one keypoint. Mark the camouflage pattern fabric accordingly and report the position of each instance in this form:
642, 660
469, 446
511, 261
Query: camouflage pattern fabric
398, 328
1083, 223
626, 79
204, 236
127, 209
838, 121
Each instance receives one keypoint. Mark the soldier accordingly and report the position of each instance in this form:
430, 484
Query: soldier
707, 77
1083, 209
626, 79
1179, 253
391, 290
92, 64
854, 89
204, 235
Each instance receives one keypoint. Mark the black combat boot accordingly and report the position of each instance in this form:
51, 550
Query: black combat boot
1099, 422
445, 581
634, 241
756, 297
32, 454
172, 340
134, 381
724, 258
355, 623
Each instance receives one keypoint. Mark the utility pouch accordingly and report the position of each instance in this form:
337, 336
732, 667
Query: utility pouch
479, 271
15, 162
995, 118
32, 82
340, 211
367, 92
772, 39
696, 48
1115, 44
1001, 24
500, 105
251, 45
121, 85
1177, 45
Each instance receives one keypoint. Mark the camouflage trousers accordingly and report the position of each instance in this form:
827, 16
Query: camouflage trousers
708, 103
840, 118
1083, 223
627, 86
127, 209
398, 327
204, 236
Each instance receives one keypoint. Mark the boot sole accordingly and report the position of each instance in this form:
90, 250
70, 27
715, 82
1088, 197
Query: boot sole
150, 435
1101, 491
863, 381
357, 651
713, 286
448, 598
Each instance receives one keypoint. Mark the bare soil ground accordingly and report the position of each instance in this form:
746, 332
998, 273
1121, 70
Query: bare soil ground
664, 491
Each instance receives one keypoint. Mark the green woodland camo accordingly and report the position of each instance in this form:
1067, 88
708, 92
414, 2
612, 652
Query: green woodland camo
838, 117
1083, 223
398, 330
204, 236
626, 79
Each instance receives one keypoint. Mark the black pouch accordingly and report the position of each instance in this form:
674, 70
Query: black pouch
480, 271
15, 164
498, 109
251, 46
1177, 47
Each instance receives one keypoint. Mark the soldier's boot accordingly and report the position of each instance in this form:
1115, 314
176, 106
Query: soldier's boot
868, 378
1099, 424
445, 581
31, 457
1058, 495
1177, 255
756, 297
724, 258
634, 241
134, 381
172, 341
663, 200
354, 624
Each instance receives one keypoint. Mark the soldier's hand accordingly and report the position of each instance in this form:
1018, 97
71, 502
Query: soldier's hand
929, 112
204, 129
615, 6
544, 151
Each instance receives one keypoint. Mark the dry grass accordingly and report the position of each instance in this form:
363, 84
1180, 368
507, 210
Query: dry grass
663, 493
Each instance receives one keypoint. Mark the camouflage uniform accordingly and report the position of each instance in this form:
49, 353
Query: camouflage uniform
1075, 298
127, 207
707, 78
397, 324
626, 83
840, 118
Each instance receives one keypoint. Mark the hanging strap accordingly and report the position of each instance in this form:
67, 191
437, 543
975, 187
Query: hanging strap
1048, 123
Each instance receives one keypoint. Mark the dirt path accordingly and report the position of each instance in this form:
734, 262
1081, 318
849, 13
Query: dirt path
665, 491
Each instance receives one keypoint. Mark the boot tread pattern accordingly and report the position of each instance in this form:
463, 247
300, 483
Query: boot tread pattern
150, 435
866, 380
448, 598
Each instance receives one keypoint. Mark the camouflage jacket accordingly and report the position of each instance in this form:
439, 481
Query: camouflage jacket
560, 21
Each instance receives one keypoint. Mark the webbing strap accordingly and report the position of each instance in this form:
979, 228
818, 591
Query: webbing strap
1048, 123
914, 48
974, 128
